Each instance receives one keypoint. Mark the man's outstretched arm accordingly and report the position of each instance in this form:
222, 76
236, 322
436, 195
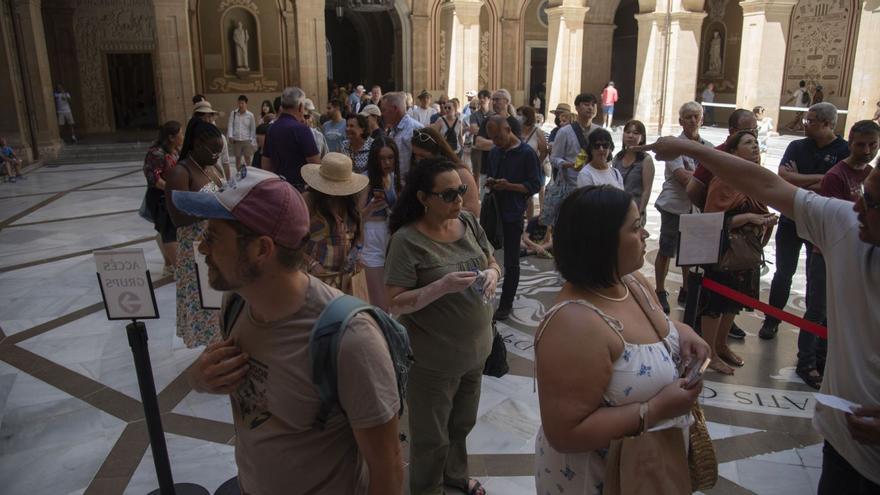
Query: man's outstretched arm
755, 181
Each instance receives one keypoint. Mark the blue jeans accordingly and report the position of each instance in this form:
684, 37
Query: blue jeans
812, 349
788, 250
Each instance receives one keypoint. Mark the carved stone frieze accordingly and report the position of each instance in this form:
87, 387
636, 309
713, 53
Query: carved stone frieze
820, 46
225, 85
248, 4
484, 59
443, 64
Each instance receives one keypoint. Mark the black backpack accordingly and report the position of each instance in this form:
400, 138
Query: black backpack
324, 347
451, 136
805, 97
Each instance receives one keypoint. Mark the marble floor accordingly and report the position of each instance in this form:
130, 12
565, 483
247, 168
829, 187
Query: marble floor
71, 421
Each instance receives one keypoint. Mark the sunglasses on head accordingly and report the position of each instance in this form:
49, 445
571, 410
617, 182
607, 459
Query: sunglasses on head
422, 136
449, 195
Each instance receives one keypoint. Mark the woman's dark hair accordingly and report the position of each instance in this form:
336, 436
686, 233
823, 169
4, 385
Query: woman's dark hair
586, 236
640, 128
528, 114
197, 129
598, 136
362, 123
733, 141
167, 131
264, 104
430, 139
408, 208
321, 204
374, 168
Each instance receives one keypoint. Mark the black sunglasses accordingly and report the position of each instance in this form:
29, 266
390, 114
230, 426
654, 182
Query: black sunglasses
449, 195
603, 146
870, 203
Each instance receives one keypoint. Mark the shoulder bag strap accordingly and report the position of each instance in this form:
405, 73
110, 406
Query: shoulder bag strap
579, 132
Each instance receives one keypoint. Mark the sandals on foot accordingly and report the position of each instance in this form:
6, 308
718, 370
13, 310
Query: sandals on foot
721, 367
730, 357
475, 488
810, 376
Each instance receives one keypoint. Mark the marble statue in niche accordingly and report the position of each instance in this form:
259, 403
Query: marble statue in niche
241, 37
715, 57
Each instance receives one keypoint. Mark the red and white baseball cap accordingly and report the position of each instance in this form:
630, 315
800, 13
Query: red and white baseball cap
260, 200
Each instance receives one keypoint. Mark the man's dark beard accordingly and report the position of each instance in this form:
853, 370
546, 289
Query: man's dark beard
245, 273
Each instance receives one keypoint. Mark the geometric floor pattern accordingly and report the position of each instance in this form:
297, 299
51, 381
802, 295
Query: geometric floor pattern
71, 420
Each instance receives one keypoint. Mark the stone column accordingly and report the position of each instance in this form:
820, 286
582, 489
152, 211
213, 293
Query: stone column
421, 54
510, 67
464, 47
762, 58
865, 92
598, 40
664, 83
36, 78
174, 65
311, 47
565, 40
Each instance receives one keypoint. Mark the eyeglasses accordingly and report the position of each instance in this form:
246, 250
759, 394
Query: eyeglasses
870, 203
750, 130
449, 195
422, 136
602, 146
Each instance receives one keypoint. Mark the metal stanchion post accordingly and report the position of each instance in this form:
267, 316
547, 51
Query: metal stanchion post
137, 339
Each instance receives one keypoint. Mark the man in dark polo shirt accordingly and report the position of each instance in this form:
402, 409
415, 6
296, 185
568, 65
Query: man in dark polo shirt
500, 107
289, 142
512, 172
804, 164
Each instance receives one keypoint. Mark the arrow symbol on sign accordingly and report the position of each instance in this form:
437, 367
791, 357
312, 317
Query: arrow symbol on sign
129, 302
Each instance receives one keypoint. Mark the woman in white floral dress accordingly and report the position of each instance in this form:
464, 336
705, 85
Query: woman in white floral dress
606, 355
196, 172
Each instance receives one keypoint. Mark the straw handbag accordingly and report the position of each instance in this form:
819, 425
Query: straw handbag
702, 461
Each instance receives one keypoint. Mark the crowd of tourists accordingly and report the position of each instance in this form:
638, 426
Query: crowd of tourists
405, 204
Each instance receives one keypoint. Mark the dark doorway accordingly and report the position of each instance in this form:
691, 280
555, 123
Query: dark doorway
623, 58
538, 76
362, 46
132, 91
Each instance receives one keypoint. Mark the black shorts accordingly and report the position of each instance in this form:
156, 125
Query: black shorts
668, 233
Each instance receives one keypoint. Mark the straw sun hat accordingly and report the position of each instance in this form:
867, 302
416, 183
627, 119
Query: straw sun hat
334, 176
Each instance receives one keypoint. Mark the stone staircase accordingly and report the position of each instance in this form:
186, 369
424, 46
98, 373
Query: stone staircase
82, 153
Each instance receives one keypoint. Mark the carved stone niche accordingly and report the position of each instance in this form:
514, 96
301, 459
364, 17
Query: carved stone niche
241, 42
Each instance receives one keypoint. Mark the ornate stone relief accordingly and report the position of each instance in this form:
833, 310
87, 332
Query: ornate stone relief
224, 85
820, 45
716, 9
248, 4
101, 31
443, 58
484, 59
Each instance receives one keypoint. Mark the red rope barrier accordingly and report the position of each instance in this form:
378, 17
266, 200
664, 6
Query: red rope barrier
777, 313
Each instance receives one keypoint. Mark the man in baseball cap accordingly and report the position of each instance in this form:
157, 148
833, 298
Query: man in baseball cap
258, 228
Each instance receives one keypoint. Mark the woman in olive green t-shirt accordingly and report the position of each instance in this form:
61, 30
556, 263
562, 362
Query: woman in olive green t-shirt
435, 257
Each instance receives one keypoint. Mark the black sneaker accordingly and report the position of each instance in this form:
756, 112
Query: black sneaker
663, 296
501, 314
768, 330
736, 332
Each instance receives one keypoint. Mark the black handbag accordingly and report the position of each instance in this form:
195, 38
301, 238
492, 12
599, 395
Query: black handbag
496, 363
490, 220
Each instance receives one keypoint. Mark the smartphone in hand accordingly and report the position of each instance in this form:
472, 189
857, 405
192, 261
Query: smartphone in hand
695, 373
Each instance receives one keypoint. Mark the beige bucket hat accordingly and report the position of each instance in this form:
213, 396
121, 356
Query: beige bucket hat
334, 176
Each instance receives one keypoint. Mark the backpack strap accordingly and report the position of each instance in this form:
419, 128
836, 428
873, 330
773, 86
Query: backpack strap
234, 305
324, 350
579, 132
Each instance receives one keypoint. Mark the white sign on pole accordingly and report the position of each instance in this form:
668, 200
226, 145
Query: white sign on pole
210, 298
126, 285
699, 240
